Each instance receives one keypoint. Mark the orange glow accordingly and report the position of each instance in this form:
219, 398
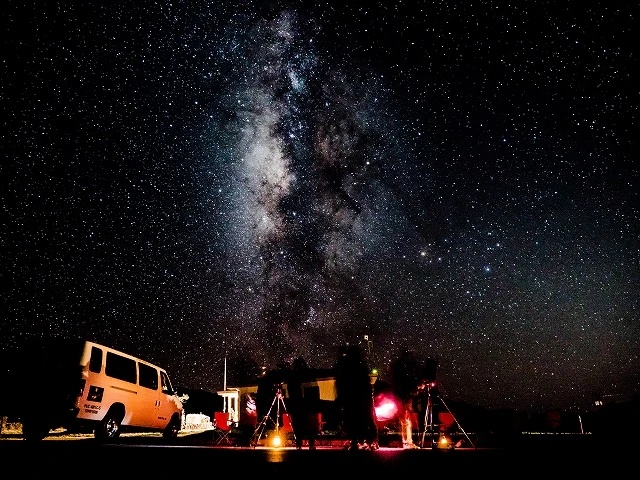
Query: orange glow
443, 442
276, 441
275, 455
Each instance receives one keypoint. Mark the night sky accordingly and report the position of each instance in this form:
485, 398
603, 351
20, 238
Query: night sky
266, 181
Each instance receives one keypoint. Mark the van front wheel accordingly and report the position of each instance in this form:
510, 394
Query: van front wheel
171, 430
109, 428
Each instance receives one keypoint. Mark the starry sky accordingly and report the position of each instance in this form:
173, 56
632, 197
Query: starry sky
190, 181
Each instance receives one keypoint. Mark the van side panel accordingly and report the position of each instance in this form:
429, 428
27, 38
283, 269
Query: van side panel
125, 381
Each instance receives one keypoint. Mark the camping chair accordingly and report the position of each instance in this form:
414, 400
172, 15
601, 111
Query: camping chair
446, 421
222, 428
286, 430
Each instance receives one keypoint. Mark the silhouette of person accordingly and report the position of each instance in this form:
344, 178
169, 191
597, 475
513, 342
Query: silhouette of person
304, 414
355, 398
248, 418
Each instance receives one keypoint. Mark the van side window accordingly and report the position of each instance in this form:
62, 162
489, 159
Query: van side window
166, 384
95, 362
148, 376
121, 367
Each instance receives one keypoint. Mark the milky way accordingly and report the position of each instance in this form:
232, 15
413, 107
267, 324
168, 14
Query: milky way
268, 181
307, 178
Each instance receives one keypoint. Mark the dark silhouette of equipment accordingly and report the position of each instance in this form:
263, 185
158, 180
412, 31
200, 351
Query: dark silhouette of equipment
444, 420
280, 429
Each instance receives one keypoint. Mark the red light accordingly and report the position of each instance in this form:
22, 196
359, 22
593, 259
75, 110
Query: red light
386, 407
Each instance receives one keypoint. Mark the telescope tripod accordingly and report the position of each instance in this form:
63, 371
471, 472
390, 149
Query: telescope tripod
278, 401
429, 426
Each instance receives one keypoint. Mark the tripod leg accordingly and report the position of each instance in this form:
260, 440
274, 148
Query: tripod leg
293, 433
424, 431
428, 420
257, 433
456, 420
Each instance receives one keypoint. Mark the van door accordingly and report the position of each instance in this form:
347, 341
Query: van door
150, 394
168, 403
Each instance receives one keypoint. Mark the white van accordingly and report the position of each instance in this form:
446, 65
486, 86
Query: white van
82, 385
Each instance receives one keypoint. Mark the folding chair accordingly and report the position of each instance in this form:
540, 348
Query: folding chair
286, 430
222, 428
446, 420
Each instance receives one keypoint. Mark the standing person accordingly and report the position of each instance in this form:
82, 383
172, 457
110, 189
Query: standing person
313, 424
407, 424
371, 435
248, 418
296, 408
304, 411
306, 424
355, 398
408, 374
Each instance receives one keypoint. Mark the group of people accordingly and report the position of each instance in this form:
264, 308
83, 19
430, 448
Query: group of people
354, 400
